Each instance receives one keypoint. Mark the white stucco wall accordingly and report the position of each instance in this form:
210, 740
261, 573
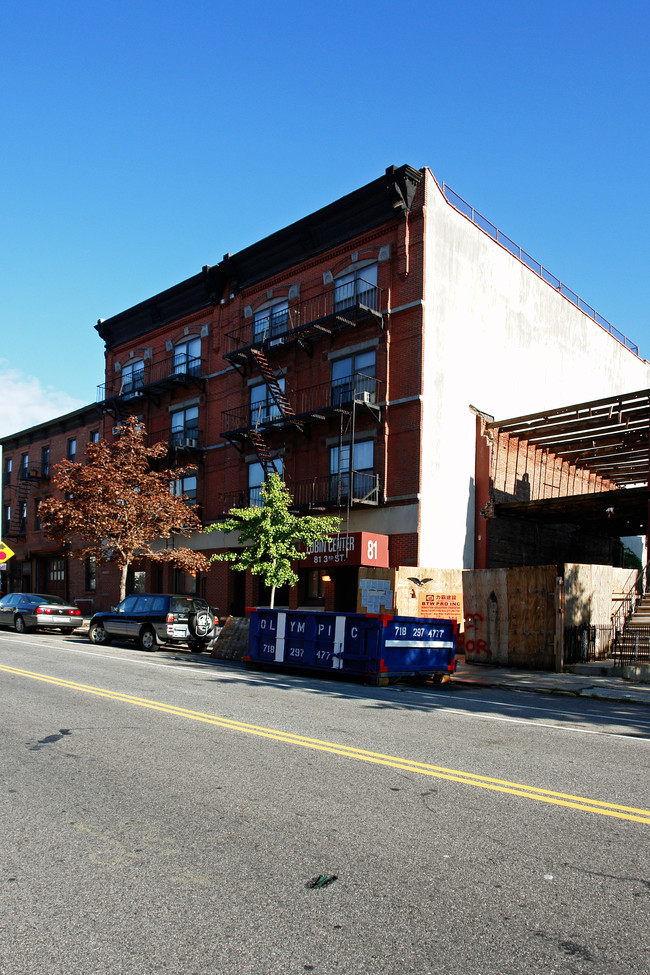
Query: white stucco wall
500, 338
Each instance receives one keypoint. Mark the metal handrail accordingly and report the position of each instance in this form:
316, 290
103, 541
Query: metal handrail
333, 490
322, 492
631, 599
461, 205
33, 472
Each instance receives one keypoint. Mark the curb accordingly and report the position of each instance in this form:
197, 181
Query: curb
591, 692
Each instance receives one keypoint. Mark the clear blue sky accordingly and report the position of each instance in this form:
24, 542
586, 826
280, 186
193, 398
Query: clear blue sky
140, 141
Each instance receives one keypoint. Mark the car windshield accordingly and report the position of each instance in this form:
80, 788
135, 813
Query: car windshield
52, 600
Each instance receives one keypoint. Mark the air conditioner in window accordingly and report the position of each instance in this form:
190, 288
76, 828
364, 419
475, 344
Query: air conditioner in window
366, 396
190, 442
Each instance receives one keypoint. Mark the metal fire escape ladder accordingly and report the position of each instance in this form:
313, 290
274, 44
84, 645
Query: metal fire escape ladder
17, 523
263, 452
287, 411
280, 399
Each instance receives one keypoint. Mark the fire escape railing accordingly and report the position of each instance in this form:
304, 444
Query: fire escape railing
316, 403
166, 373
322, 313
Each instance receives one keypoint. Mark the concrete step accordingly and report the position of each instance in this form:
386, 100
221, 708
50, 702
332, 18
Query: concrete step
595, 668
638, 673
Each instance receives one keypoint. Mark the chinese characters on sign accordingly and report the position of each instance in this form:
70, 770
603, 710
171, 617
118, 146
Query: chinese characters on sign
441, 606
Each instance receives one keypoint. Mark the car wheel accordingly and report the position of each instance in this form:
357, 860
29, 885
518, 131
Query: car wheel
97, 634
196, 647
147, 639
19, 625
201, 623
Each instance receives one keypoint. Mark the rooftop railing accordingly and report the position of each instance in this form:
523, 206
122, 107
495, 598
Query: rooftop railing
458, 203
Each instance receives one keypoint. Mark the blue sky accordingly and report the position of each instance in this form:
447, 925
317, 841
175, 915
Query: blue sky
143, 140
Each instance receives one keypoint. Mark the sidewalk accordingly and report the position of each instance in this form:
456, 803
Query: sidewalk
597, 680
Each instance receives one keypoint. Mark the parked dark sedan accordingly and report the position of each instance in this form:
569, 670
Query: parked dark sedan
26, 611
153, 619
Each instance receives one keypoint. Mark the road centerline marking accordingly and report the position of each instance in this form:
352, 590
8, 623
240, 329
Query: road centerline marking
597, 806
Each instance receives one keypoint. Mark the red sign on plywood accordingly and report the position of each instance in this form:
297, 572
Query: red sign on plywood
441, 605
352, 548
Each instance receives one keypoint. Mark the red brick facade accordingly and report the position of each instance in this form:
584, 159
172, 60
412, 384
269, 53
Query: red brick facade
303, 352
218, 404
29, 458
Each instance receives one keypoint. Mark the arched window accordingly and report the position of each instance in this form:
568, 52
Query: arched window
187, 357
358, 287
270, 322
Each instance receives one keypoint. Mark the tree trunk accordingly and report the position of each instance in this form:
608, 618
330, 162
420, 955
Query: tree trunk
271, 604
123, 575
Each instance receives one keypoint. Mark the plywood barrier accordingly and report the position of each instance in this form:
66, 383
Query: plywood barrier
232, 643
509, 617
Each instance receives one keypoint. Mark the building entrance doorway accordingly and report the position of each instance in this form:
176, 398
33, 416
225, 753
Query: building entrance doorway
346, 585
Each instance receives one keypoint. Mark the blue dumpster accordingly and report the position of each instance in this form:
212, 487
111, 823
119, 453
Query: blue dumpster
377, 648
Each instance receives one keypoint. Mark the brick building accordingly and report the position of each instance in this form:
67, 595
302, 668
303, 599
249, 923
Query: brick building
28, 458
352, 352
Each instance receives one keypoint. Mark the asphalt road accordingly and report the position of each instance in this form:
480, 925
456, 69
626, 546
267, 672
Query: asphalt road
165, 813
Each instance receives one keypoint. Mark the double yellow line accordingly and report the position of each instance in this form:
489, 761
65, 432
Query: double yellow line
629, 813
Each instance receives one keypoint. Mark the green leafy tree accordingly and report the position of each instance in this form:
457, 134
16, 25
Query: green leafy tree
271, 534
114, 505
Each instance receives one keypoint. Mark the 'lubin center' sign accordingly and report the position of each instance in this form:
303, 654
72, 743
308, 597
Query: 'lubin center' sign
351, 548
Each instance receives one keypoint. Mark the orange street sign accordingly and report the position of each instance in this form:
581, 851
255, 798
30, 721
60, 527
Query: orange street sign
5, 552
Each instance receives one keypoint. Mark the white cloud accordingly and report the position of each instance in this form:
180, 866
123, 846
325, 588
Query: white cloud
24, 402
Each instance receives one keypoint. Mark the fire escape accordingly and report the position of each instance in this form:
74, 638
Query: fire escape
252, 348
124, 395
27, 477
284, 407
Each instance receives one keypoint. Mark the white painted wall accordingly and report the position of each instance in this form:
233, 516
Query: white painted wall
499, 337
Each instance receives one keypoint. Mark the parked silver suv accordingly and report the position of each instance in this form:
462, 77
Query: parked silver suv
153, 619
